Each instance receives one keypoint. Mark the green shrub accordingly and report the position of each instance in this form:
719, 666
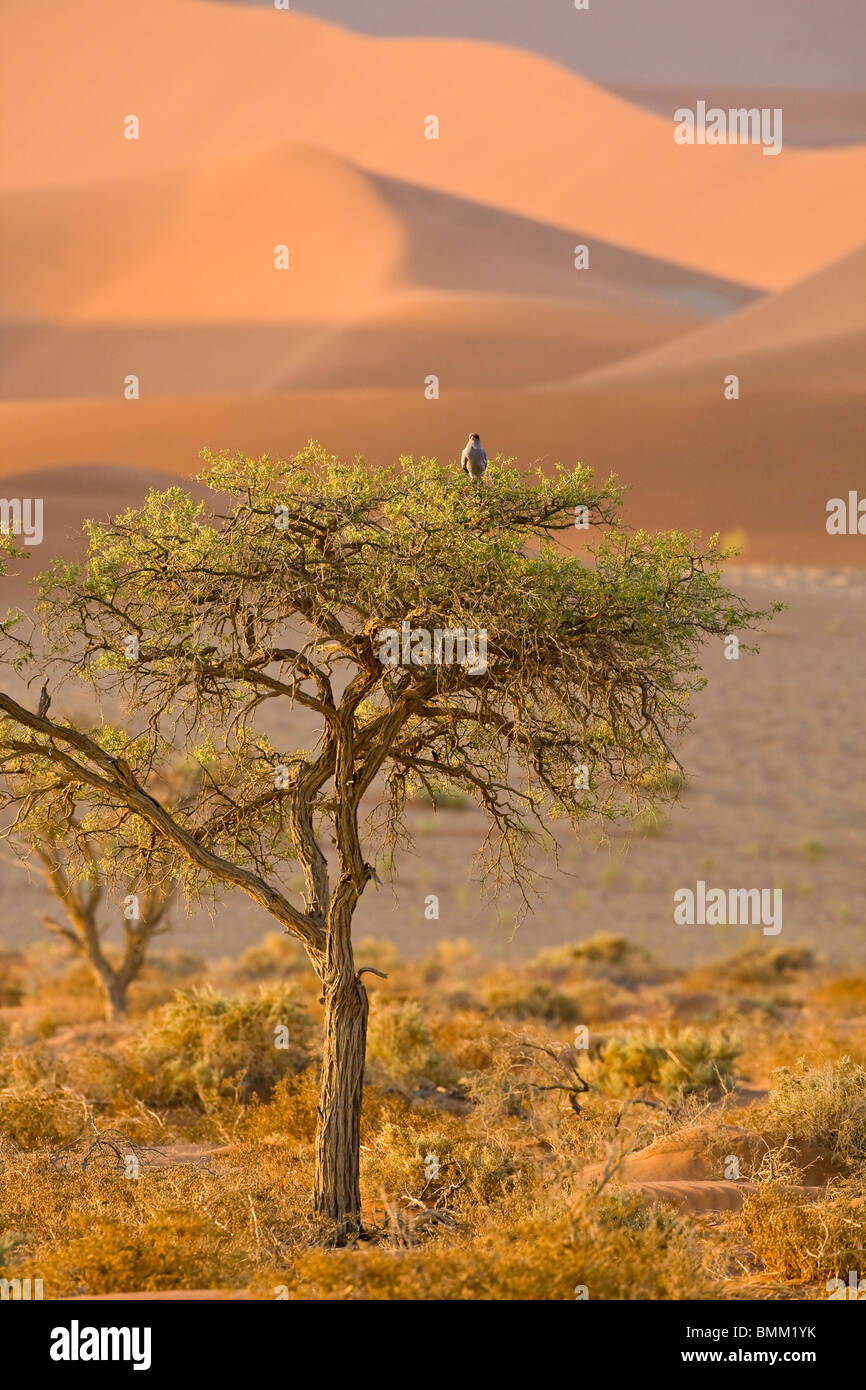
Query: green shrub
400, 1044
687, 1062
202, 1046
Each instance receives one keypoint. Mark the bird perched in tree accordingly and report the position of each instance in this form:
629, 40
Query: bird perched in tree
44, 702
474, 459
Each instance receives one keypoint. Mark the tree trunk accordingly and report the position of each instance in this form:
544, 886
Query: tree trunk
114, 993
338, 1133
337, 1195
112, 984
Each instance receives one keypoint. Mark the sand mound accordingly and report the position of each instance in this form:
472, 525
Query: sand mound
697, 1197
699, 1155
487, 298
197, 245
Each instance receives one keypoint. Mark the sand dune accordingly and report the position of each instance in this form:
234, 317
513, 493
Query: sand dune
686, 1168
812, 117
633, 41
692, 458
466, 340
197, 245
558, 149
812, 334
477, 295
136, 251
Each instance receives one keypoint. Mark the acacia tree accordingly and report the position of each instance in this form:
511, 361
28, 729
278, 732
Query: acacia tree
69, 861
241, 626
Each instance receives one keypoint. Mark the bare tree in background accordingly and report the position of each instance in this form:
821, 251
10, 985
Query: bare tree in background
81, 898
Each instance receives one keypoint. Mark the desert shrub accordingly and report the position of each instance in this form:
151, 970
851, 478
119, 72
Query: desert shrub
400, 1047
378, 952
11, 979
179, 1250
445, 798
604, 956
435, 1162
804, 1240
289, 1115
811, 846
754, 964
510, 996
202, 1045
471, 1037
457, 956
845, 995
627, 1255
34, 1118
686, 1062
824, 1104
174, 964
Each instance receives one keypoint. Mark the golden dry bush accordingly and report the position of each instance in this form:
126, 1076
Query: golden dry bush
825, 1104
507, 995
845, 995
618, 1252
276, 954
401, 1049
290, 1114
425, 1159
203, 1045
32, 1118
802, 1240
180, 1250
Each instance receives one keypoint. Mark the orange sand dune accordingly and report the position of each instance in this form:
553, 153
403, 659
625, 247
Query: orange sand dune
476, 340
476, 295
536, 140
466, 340
812, 334
765, 464
198, 244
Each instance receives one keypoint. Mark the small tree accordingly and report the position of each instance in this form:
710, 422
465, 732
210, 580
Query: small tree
81, 898
319, 588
